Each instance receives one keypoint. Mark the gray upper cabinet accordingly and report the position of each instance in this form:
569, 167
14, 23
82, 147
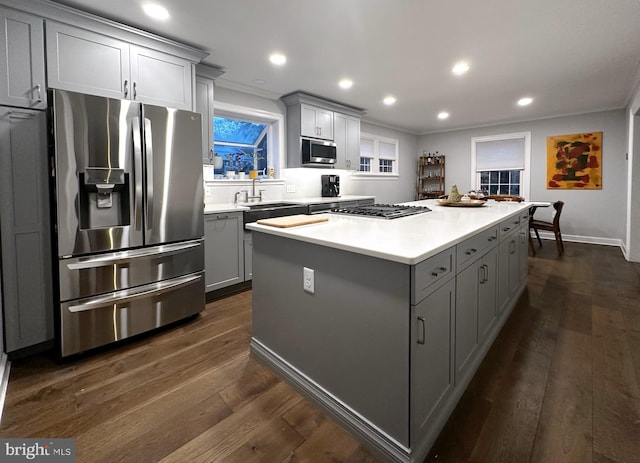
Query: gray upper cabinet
161, 79
346, 134
316, 122
22, 60
310, 116
24, 229
204, 105
83, 61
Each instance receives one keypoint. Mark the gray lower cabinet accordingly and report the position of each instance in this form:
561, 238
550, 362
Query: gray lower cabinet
22, 60
432, 356
224, 244
27, 299
476, 289
509, 270
248, 256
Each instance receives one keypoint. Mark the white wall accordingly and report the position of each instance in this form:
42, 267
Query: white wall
588, 215
391, 190
633, 191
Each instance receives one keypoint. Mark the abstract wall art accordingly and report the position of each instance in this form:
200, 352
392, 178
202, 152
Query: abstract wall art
574, 161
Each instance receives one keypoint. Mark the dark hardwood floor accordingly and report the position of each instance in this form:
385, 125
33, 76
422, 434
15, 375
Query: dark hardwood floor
560, 384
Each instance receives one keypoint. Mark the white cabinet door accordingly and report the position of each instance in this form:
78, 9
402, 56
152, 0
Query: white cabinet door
86, 62
224, 250
160, 79
22, 60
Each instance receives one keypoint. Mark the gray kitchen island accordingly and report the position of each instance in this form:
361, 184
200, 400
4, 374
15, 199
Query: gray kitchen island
382, 323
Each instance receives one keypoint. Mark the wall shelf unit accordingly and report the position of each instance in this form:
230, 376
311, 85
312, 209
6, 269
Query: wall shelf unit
430, 176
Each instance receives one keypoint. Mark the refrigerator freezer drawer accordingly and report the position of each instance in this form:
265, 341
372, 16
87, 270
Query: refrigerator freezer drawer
96, 321
114, 271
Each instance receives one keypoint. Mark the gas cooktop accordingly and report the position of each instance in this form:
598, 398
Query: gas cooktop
385, 211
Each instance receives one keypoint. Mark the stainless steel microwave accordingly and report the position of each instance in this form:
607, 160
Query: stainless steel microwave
317, 152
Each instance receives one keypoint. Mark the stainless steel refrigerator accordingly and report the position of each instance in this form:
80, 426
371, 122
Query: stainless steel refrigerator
129, 218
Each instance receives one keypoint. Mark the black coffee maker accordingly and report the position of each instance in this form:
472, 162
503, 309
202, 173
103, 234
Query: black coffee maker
330, 186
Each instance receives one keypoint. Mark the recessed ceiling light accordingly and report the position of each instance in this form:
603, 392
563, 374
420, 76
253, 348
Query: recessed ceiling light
460, 68
278, 59
389, 100
156, 11
345, 84
443, 115
526, 101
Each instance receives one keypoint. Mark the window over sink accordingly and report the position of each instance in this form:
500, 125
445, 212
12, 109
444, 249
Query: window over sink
246, 139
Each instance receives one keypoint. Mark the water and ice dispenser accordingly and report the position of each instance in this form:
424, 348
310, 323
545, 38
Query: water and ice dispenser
104, 197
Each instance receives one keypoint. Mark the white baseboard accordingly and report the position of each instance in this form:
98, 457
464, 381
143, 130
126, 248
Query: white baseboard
583, 239
5, 367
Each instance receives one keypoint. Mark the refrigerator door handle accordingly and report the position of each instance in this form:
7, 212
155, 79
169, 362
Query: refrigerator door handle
128, 256
119, 297
137, 171
149, 161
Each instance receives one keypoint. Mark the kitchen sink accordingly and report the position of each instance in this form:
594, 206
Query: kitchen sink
259, 211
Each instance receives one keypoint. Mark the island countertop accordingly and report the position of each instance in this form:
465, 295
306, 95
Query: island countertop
407, 240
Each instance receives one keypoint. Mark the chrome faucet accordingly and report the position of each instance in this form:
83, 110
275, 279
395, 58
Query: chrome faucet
237, 195
253, 190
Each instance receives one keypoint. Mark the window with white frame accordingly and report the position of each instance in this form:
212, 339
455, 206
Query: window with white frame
378, 155
246, 139
500, 163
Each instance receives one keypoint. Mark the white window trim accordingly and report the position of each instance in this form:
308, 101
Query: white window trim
525, 178
274, 122
375, 159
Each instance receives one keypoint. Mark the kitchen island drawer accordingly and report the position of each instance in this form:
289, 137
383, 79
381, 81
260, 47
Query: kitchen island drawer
510, 225
474, 247
427, 273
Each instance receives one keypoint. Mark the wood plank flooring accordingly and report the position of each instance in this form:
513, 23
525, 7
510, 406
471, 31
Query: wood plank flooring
560, 384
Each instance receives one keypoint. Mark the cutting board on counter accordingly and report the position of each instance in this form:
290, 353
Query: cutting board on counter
292, 220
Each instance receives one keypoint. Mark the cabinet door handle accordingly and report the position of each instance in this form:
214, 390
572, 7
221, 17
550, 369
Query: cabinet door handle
126, 88
39, 88
135, 90
438, 272
471, 251
421, 330
19, 115
222, 216
512, 247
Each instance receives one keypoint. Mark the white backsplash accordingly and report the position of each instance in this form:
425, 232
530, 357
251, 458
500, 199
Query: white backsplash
296, 183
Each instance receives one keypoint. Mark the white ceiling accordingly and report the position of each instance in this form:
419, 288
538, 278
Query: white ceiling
571, 56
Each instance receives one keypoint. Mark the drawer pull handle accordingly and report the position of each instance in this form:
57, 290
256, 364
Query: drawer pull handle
440, 271
491, 238
471, 251
421, 331
506, 229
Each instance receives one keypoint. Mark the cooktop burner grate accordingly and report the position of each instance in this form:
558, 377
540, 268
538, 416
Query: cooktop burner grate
385, 211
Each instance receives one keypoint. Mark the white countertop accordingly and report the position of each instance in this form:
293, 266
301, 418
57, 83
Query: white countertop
230, 207
408, 240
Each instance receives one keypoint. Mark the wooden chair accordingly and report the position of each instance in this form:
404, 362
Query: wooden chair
514, 198
553, 226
